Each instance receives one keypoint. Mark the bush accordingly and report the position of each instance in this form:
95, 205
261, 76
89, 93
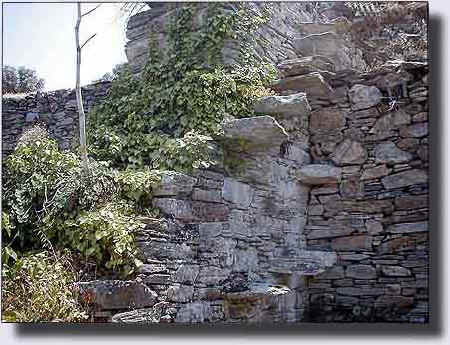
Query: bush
37, 288
50, 201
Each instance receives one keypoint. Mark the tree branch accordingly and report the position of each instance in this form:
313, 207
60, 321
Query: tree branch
85, 14
87, 41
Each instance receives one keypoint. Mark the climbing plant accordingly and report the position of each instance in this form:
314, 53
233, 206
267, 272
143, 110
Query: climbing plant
184, 92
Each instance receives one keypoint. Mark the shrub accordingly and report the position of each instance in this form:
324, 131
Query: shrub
36, 288
50, 201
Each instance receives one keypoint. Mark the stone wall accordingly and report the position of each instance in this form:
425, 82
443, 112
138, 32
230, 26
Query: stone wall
374, 127
289, 33
319, 211
56, 109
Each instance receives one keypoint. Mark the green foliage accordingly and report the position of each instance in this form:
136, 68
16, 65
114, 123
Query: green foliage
50, 201
36, 288
181, 97
105, 234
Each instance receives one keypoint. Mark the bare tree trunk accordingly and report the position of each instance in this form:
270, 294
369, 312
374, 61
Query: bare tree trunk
81, 114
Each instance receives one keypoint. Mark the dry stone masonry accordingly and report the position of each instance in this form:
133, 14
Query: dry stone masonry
56, 109
318, 212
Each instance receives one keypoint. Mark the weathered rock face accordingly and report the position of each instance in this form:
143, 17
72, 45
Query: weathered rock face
288, 34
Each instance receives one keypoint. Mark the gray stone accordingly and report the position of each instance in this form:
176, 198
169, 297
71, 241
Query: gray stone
362, 96
395, 271
352, 243
212, 195
298, 155
327, 119
405, 178
116, 294
417, 130
361, 272
313, 84
359, 291
295, 105
195, 211
305, 65
393, 289
348, 153
186, 274
405, 228
375, 172
353, 257
314, 234
258, 132
180, 293
238, 193
316, 174
387, 301
374, 227
173, 184
336, 272
411, 202
195, 312
388, 152
386, 124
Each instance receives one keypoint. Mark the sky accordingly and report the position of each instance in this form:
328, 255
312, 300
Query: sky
41, 36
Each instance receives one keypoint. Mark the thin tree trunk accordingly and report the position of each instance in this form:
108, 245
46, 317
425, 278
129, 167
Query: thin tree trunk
81, 114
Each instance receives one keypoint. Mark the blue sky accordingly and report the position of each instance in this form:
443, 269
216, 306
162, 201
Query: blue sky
41, 36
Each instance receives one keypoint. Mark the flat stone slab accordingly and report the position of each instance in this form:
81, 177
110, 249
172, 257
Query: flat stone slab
313, 84
295, 105
307, 263
405, 178
316, 174
192, 211
305, 65
259, 131
116, 294
174, 184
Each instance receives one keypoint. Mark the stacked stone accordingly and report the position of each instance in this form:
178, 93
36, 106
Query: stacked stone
288, 34
230, 247
376, 218
57, 110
